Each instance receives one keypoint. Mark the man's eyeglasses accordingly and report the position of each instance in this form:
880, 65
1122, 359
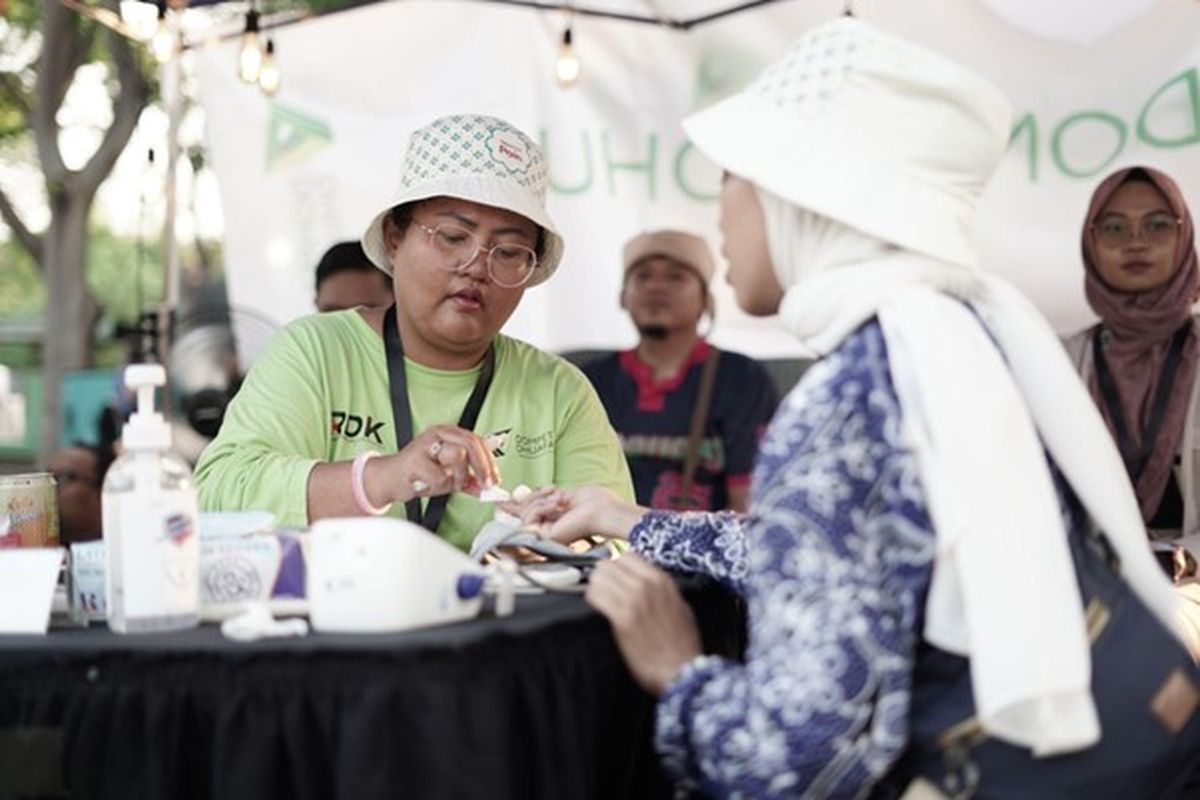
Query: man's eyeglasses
1114, 230
508, 265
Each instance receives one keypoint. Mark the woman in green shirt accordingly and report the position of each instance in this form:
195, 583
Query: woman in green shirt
416, 409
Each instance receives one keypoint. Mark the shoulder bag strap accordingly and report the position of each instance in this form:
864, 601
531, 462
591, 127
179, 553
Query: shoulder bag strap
691, 457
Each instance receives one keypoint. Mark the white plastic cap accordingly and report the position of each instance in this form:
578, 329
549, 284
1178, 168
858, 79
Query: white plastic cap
146, 428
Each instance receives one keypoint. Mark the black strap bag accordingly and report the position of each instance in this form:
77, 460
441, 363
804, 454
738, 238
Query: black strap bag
1146, 688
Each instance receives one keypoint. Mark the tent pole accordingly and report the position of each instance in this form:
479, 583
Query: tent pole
172, 94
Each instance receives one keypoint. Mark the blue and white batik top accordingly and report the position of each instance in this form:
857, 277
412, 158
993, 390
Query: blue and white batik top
834, 561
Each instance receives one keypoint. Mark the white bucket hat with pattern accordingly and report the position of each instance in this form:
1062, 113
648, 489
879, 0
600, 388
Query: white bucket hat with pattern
478, 158
867, 129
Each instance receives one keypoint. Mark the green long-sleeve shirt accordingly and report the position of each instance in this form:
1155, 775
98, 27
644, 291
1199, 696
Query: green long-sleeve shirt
319, 392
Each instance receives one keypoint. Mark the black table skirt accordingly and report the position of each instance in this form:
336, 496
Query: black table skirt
537, 705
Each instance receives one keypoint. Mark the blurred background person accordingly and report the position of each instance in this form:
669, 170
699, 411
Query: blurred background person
689, 414
1140, 360
78, 472
346, 278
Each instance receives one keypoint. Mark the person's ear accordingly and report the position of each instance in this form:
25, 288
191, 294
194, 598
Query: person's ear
392, 236
710, 310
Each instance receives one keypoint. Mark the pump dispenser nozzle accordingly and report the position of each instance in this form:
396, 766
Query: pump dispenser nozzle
146, 428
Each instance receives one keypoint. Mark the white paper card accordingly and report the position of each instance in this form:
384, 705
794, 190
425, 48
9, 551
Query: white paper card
27, 581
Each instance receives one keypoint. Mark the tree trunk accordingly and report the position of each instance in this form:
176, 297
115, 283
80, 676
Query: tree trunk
70, 311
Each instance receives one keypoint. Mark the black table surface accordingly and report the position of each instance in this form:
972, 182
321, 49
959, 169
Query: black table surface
538, 704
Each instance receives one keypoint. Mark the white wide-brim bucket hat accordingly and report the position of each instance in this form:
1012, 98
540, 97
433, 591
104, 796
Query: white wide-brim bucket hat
478, 158
869, 130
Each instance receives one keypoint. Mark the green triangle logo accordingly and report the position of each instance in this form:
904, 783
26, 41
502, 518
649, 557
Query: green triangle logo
293, 136
722, 71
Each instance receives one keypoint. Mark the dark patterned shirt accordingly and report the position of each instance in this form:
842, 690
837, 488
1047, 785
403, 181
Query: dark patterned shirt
653, 418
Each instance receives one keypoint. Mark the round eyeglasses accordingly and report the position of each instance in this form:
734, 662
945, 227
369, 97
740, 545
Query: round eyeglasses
508, 265
1115, 230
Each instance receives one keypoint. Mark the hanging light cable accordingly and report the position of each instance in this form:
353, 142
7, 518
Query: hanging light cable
250, 56
268, 74
568, 63
162, 44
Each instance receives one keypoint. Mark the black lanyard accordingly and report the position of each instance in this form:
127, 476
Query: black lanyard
402, 412
1136, 462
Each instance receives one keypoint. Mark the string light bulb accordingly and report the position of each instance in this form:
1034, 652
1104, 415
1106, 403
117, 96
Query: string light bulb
268, 73
162, 44
250, 57
568, 62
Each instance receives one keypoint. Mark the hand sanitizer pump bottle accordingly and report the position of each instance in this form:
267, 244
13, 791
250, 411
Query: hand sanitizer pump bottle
149, 521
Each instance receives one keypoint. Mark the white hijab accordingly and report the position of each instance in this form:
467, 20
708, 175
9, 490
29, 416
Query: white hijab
977, 418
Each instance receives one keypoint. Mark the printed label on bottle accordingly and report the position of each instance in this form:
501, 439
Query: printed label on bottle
159, 554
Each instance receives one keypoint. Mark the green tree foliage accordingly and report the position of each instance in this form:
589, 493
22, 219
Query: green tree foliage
114, 264
43, 43
21, 290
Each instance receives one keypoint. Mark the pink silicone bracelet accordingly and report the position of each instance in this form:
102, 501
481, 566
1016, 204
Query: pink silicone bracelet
356, 485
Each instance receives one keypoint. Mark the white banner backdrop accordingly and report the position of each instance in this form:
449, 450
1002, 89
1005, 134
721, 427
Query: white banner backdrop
313, 164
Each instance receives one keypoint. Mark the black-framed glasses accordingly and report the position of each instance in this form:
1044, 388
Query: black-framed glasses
1115, 230
508, 265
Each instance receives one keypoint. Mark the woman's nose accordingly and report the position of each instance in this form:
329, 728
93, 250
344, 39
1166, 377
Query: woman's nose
476, 266
1139, 238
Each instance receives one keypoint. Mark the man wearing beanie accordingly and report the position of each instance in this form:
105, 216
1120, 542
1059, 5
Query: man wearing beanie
689, 416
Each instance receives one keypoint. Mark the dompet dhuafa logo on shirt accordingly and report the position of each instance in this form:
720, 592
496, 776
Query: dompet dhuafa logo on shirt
533, 446
345, 425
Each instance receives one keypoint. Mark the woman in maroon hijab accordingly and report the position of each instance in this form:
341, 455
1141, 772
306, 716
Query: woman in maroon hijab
1140, 360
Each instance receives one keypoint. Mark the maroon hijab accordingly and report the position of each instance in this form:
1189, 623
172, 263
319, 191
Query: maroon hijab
1142, 325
